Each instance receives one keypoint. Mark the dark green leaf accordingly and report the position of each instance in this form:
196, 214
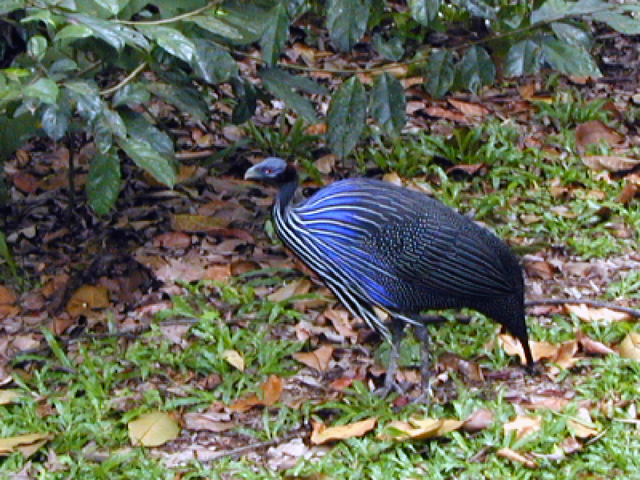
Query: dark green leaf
391, 50
549, 11
186, 99
55, 121
131, 94
347, 21
139, 127
247, 98
37, 47
347, 113
440, 73
478, 8
212, 64
275, 34
115, 34
15, 131
619, 22
171, 40
585, 7
103, 183
74, 32
424, 11
286, 93
86, 97
108, 125
111, 6
569, 59
44, 89
523, 59
148, 158
476, 69
216, 26
294, 81
572, 35
388, 103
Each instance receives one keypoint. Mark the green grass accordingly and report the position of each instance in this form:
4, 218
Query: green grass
84, 392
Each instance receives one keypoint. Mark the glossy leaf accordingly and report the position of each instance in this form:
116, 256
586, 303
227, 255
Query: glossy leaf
131, 94
212, 64
388, 103
523, 59
619, 22
217, 26
172, 40
440, 73
476, 69
104, 181
346, 117
184, 98
44, 89
147, 157
347, 21
569, 59
424, 11
275, 34
285, 92
298, 82
55, 121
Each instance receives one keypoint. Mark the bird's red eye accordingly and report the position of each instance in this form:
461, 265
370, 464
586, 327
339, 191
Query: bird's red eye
268, 171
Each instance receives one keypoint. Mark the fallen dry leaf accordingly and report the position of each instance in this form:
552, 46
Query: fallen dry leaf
468, 108
590, 314
26, 444
271, 393
563, 354
630, 346
7, 297
478, 420
593, 347
153, 429
594, 132
523, 425
318, 359
234, 358
582, 425
297, 287
8, 396
88, 298
207, 422
516, 457
420, 429
322, 434
611, 163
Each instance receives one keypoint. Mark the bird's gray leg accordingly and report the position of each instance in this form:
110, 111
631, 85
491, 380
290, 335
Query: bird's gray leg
390, 383
422, 334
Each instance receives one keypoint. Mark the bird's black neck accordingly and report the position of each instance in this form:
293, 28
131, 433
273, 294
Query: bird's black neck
288, 183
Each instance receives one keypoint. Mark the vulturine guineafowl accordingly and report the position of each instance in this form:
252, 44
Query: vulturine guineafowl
385, 249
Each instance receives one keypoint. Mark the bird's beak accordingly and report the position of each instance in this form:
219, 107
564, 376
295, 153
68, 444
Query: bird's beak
252, 174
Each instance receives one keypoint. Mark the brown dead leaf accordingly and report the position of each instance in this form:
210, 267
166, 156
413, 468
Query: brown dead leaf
439, 112
317, 129
570, 445
340, 320
478, 420
318, 359
611, 163
326, 163
172, 240
469, 370
523, 425
217, 272
234, 358
26, 444
592, 314
468, 108
26, 182
594, 132
7, 297
88, 298
8, 396
197, 223
208, 422
322, 434
297, 287
630, 191
153, 429
563, 354
419, 429
514, 456
271, 393
544, 270
630, 346
582, 425
593, 347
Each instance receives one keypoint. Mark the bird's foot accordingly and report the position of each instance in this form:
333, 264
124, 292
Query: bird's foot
390, 385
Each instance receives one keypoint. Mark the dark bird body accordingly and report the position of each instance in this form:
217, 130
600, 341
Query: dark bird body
377, 245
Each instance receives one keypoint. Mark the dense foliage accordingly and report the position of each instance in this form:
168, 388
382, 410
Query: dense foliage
91, 66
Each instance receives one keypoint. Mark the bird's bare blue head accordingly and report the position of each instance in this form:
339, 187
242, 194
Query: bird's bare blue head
272, 170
